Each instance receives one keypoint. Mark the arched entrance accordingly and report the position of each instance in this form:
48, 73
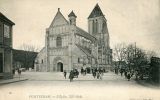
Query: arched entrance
59, 67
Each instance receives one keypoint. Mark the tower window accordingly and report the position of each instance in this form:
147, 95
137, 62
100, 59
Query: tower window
59, 41
95, 26
78, 60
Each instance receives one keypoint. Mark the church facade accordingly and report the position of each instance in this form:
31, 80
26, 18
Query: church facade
67, 46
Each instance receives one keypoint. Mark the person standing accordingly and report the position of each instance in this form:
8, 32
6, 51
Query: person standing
82, 70
121, 71
125, 73
19, 72
94, 73
71, 75
128, 76
65, 74
13, 71
98, 74
136, 74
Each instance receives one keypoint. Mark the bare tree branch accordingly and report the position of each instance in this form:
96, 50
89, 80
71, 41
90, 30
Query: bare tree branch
27, 47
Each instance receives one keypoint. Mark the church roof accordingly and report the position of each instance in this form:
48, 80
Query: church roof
59, 18
72, 14
85, 34
84, 50
96, 12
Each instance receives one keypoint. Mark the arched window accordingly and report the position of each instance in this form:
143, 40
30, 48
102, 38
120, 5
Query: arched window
96, 26
59, 41
78, 60
42, 61
93, 26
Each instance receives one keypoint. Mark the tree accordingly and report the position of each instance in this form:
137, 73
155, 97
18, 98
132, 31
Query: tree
119, 53
136, 58
29, 54
27, 47
24, 58
131, 54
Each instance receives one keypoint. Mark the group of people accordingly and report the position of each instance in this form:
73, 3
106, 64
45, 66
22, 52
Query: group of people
73, 74
98, 73
126, 72
83, 71
18, 71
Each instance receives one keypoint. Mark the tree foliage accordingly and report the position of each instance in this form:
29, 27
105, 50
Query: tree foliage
136, 58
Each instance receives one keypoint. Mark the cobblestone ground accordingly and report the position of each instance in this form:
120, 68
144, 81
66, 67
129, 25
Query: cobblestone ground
53, 86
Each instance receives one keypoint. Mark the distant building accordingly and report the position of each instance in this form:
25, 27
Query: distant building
5, 47
41, 61
155, 72
67, 46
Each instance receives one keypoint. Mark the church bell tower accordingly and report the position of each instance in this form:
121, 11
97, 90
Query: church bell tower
72, 18
97, 26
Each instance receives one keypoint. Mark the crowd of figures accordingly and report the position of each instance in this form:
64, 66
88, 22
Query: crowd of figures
74, 73
125, 72
129, 73
18, 71
98, 73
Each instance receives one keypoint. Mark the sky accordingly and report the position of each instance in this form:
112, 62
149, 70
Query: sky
129, 21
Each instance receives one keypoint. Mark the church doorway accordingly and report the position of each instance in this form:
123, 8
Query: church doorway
60, 67
1, 62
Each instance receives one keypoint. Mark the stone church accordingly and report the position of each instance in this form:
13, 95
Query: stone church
67, 46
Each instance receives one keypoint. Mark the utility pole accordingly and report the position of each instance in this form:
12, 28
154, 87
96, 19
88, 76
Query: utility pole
135, 49
135, 56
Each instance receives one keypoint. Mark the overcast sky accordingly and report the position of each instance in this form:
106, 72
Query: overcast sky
128, 20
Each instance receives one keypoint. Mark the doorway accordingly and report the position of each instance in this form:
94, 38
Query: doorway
1, 62
60, 67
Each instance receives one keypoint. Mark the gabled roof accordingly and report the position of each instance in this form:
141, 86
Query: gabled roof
3, 17
96, 12
59, 18
72, 14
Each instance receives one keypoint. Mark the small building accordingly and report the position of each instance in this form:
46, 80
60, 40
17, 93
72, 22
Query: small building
40, 61
5, 47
